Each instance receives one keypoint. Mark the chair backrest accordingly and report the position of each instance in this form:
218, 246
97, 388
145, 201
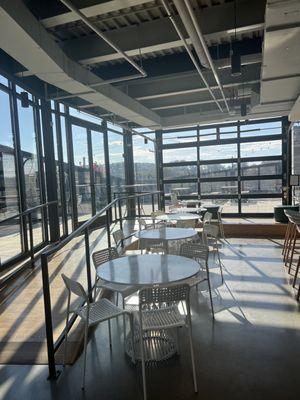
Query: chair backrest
142, 223
174, 198
211, 230
75, 287
292, 213
188, 223
156, 213
102, 256
164, 294
195, 251
150, 243
207, 218
118, 236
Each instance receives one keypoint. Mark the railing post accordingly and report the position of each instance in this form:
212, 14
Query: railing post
88, 263
31, 239
120, 213
139, 206
108, 228
48, 318
152, 200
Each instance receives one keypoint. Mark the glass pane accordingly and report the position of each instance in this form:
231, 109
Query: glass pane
185, 171
182, 189
208, 134
10, 242
99, 170
261, 149
228, 132
179, 155
180, 137
259, 205
261, 129
66, 172
3, 80
116, 161
85, 116
218, 170
217, 188
258, 168
30, 166
262, 186
228, 205
219, 152
82, 173
57, 173
144, 165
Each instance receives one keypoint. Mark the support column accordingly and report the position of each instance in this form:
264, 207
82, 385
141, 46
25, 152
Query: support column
50, 170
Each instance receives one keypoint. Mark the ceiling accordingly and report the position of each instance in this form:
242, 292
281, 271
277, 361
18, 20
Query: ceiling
52, 44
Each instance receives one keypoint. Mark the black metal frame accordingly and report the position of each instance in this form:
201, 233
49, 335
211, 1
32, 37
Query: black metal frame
238, 160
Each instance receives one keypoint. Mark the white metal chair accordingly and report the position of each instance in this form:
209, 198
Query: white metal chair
119, 239
158, 310
188, 223
152, 246
156, 214
200, 254
212, 232
220, 223
143, 224
100, 257
92, 314
207, 218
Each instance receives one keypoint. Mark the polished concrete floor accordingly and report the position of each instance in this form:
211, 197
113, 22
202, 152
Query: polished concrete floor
250, 351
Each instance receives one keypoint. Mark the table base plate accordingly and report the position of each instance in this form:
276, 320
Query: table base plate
158, 347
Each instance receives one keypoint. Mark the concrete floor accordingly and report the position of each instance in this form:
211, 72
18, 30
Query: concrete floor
249, 352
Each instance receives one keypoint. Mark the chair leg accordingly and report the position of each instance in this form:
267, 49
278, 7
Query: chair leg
286, 237
220, 264
292, 251
289, 244
192, 356
84, 354
143, 364
210, 295
296, 272
132, 336
109, 333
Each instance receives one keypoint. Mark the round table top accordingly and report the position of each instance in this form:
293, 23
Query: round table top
147, 270
166, 233
177, 217
188, 209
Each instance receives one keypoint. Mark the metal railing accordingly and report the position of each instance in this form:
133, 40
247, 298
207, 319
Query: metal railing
81, 230
26, 218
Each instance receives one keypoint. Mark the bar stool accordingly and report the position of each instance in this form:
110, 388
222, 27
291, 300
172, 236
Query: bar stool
295, 221
290, 232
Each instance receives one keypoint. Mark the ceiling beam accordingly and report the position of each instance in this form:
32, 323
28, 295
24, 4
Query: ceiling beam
216, 22
91, 11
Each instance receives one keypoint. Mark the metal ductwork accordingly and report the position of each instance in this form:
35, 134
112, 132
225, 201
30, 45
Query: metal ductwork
26, 40
191, 31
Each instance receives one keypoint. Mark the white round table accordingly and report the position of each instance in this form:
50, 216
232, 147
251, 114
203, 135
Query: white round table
166, 234
177, 217
147, 270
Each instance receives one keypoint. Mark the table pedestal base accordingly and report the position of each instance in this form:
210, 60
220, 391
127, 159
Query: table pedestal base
158, 347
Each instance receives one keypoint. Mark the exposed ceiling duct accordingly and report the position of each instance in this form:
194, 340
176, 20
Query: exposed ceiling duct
26, 40
191, 25
280, 81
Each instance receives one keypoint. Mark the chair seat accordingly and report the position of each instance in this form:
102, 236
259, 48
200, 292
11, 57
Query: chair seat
195, 280
115, 287
162, 318
101, 310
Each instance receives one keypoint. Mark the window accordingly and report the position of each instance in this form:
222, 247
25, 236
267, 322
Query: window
116, 161
232, 165
99, 170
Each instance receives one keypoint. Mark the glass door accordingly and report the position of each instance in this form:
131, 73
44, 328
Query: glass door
82, 173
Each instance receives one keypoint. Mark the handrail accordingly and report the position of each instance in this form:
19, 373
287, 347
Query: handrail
28, 211
84, 228
90, 222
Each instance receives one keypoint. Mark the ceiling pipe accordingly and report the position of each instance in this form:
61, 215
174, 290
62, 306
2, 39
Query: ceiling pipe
191, 31
91, 25
170, 16
204, 46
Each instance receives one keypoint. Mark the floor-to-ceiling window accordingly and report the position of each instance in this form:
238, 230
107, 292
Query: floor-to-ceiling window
116, 161
238, 166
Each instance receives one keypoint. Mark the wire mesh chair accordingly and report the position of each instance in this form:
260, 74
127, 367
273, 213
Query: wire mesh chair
158, 311
92, 314
211, 232
200, 254
152, 245
119, 239
220, 223
207, 218
143, 224
188, 223
154, 216
99, 258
